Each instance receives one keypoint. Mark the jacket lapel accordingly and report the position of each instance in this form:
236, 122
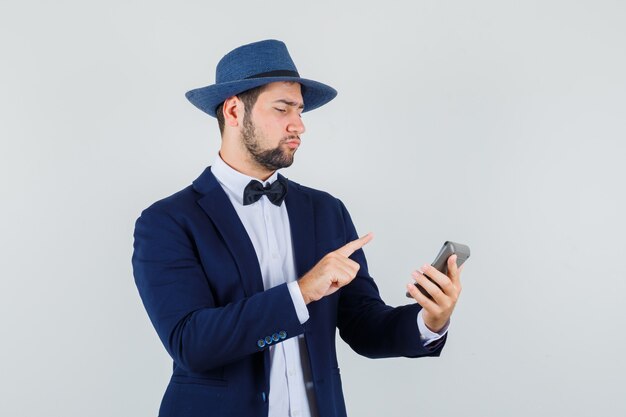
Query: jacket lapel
220, 210
301, 222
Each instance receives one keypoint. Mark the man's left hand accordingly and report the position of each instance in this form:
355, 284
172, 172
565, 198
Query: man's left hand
437, 312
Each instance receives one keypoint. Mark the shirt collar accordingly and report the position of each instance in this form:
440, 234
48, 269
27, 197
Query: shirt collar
234, 181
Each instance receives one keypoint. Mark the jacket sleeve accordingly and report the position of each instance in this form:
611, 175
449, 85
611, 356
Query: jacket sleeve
198, 334
371, 327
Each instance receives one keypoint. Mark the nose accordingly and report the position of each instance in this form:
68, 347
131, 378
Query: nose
296, 125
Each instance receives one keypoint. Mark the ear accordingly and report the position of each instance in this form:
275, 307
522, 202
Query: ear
233, 111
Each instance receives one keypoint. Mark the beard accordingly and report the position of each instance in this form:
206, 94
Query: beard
271, 159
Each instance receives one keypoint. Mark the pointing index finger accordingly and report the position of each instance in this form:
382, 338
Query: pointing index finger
351, 247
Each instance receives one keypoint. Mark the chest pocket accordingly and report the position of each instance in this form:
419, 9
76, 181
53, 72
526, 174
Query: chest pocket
326, 246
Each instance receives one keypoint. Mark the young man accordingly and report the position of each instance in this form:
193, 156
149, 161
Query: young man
245, 275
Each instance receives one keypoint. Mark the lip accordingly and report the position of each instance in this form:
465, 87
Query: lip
293, 144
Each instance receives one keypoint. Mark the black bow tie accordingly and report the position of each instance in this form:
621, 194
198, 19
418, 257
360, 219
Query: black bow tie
275, 192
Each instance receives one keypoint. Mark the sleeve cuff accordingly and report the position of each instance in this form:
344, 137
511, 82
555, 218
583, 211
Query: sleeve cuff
427, 336
298, 301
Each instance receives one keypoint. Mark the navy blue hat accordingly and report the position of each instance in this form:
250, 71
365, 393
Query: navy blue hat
251, 66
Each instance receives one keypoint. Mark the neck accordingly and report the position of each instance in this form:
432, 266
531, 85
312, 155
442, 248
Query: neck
245, 165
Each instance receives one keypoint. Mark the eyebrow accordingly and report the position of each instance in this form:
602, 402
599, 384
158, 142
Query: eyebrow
290, 103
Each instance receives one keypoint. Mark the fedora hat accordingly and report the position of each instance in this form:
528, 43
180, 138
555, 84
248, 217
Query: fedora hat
251, 66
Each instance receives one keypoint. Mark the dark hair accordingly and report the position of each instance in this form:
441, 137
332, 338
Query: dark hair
248, 97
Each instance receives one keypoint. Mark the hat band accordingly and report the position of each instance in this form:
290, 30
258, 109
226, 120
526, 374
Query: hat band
276, 73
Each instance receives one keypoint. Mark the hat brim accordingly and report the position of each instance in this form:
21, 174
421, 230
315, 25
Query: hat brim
314, 94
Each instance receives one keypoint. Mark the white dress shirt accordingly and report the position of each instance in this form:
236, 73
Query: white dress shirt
291, 386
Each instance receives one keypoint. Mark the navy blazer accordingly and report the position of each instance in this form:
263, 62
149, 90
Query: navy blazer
200, 282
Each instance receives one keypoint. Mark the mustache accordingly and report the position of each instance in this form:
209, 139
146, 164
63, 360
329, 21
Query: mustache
288, 138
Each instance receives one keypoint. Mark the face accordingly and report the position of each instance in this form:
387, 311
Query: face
271, 131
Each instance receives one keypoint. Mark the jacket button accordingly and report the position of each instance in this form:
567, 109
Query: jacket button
260, 343
275, 337
263, 396
268, 339
282, 334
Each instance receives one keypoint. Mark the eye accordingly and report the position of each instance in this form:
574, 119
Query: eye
280, 110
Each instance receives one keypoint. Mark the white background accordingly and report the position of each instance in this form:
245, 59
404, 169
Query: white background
500, 124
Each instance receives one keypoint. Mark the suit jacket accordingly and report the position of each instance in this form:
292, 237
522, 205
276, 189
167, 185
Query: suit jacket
199, 279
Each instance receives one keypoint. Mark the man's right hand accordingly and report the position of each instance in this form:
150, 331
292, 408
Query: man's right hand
333, 271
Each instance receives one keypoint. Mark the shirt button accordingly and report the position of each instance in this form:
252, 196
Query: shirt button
296, 413
291, 372
274, 256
